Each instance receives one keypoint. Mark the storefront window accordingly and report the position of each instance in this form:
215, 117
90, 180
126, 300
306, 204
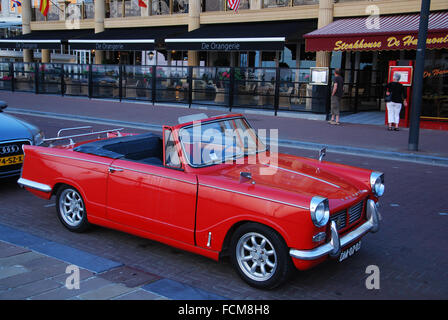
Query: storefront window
435, 86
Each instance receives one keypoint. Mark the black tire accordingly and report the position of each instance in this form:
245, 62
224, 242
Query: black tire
260, 256
72, 213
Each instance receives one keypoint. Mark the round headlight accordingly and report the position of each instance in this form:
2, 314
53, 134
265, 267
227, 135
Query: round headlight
320, 211
377, 183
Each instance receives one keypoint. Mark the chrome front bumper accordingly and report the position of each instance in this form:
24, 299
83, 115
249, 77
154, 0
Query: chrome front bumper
333, 247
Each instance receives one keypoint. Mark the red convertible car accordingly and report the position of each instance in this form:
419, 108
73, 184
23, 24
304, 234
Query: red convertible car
212, 187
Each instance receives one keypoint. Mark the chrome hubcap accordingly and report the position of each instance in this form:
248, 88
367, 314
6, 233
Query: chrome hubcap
71, 207
256, 256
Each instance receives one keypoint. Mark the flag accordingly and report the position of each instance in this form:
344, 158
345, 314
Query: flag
234, 4
142, 3
44, 7
16, 3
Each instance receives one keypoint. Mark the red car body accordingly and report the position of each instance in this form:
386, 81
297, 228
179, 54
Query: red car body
199, 209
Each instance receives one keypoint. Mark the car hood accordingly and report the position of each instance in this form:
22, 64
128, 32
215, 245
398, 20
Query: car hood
12, 128
291, 179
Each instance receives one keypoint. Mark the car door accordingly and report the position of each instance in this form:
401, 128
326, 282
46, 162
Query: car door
157, 199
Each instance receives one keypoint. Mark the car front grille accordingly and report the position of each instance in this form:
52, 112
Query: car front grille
355, 212
352, 215
340, 219
11, 148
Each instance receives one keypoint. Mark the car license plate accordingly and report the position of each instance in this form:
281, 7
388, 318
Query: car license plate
350, 251
7, 161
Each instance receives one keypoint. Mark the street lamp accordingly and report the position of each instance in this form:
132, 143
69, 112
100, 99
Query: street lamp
414, 129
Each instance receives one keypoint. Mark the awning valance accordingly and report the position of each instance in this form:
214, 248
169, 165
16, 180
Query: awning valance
397, 32
267, 36
43, 39
125, 39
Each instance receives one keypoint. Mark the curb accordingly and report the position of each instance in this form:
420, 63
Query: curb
357, 151
164, 287
55, 250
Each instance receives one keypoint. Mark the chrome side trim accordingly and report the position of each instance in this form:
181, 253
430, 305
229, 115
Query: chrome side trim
154, 174
333, 248
254, 196
305, 175
34, 185
119, 167
73, 158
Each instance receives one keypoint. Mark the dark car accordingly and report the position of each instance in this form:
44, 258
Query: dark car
13, 134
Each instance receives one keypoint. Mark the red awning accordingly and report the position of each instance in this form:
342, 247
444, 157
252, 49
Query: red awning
398, 32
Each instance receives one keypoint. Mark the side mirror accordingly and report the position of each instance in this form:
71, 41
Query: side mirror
322, 153
246, 176
3, 105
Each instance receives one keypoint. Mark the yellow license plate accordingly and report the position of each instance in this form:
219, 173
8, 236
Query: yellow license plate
7, 161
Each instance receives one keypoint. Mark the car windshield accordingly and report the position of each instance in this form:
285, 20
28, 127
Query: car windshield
219, 141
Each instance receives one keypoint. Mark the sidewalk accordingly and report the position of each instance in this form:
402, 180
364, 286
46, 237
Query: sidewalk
34, 268
351, 138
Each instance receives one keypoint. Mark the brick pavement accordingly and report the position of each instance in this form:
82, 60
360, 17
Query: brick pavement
40, 274
26, 274
408, 248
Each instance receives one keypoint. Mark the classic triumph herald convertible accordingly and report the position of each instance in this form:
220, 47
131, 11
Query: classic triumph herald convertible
210, 186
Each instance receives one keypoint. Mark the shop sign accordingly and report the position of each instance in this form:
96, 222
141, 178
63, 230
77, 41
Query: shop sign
221, 46
319, 76
21, 45
405, 73
107, 46
378, 42
434, 73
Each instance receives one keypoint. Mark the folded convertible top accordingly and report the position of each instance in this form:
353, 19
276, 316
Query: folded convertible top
121, 146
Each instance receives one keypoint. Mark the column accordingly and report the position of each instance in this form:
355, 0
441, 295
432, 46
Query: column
255, 4
26, 28
45, 56
325, 18
62, 4
145, 12
357, 66
194, 23
100, 13
374, 66
297, 74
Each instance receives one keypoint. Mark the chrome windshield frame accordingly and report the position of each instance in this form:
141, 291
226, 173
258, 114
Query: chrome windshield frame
226, 159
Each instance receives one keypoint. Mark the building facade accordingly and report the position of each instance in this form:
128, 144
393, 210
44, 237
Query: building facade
264, 44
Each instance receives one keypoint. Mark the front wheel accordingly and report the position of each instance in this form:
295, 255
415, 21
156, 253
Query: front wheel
260, 256
71, 209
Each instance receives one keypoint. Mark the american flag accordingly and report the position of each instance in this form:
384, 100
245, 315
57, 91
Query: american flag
233, 4
142, 4
16, 3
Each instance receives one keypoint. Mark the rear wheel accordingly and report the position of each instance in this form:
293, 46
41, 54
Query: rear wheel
71, 209
260, 256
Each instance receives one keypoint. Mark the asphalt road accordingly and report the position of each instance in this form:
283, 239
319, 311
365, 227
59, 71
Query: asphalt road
409, 250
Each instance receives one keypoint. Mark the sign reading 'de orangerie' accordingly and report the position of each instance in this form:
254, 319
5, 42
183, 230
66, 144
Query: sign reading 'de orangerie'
377, 42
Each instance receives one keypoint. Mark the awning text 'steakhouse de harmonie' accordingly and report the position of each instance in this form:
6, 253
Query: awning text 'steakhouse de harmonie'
396, 32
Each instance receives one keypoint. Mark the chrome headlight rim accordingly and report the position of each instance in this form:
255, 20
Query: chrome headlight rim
377, 183
320, 211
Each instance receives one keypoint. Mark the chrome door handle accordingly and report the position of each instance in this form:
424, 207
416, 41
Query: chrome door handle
112, 170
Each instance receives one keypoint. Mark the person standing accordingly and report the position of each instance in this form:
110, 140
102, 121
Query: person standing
395, 97
336, 96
